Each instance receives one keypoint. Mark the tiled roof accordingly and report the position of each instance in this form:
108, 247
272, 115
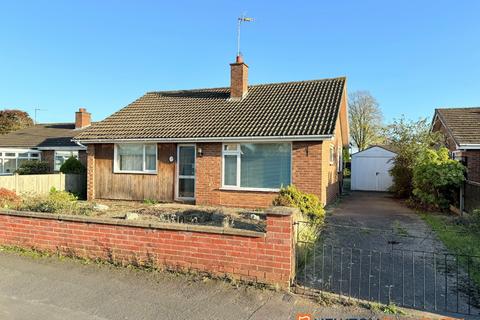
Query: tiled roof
306, 108
49, 135
462, 123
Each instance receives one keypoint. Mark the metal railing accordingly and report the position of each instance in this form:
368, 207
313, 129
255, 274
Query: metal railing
435, 281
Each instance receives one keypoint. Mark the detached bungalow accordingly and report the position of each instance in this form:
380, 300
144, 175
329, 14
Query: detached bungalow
51, 142
232, 146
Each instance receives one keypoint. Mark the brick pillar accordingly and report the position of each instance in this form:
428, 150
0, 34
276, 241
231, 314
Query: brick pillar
280, 237
91, 172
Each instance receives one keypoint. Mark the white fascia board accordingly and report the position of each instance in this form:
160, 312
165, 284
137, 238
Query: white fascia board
468, 146
63, 148
213, 139
19, 150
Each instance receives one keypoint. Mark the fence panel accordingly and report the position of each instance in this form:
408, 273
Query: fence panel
42, 183
472, 196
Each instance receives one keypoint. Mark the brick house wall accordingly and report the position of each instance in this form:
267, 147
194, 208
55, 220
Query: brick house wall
49, 156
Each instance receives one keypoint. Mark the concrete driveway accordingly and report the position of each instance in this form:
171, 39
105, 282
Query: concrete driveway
375, 221
375, 248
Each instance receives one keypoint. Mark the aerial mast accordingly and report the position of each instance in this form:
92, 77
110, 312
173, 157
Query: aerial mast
240, 20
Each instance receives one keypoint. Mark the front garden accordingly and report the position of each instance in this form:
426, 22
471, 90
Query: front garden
62, 202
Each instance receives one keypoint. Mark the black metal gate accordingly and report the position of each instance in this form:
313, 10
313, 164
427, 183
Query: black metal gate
432, 281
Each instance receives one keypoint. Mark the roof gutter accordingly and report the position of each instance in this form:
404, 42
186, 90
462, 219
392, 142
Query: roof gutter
212, 139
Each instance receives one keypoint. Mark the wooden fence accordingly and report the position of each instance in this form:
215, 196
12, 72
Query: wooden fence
42, 183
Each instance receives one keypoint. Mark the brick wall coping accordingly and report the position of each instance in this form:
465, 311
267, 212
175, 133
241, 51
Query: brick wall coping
280, 211
136, 224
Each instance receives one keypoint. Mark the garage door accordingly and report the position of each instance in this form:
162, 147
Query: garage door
370, 171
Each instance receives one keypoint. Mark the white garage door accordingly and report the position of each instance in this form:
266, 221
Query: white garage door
370, 169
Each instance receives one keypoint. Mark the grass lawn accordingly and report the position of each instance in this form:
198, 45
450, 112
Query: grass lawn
459, 238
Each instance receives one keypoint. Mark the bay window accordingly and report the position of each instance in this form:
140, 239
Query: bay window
135, 158
264, 166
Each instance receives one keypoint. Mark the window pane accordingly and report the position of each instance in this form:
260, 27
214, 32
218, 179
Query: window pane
1, 165
33, 155
265, 165
130, 157
186, 188
9, 154
186, 161
230, 170
9, 165
150, 157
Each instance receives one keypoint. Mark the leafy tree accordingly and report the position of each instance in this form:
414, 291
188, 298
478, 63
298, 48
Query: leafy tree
72, 165
33, 167
435, 176
365, 119
409, 139
11, 120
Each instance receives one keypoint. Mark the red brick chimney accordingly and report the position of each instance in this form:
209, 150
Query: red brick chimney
82, 118
238, 79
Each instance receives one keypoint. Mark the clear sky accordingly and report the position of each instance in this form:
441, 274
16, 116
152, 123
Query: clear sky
412, 56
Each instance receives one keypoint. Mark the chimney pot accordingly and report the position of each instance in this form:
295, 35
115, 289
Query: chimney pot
238, 79
82, 118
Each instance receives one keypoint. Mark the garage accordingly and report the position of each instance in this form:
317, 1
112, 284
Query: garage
370, 169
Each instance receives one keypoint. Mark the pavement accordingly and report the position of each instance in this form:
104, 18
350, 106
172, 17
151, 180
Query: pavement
33, 287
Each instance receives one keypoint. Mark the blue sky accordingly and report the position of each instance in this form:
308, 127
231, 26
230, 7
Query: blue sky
412, 56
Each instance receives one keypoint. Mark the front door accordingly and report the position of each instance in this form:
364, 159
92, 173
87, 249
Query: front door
186, 172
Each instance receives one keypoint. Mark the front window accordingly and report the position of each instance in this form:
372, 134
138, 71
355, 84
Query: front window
257, 166
11, 160
133, 157
62, 156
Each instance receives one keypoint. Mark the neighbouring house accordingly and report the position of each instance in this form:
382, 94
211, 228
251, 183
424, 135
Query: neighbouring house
371, 169
461, 129
233, 146
51, 142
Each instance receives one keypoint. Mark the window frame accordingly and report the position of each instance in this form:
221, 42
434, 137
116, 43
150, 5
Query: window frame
16, 157
238, 153
63, 151
116, 168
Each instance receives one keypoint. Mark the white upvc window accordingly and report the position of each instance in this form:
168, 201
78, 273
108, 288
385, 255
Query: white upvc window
62, 156
11, 159
332, 154
256, 166
135, 158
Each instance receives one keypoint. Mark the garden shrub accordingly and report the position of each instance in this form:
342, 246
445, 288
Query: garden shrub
54, 202
72, 165
9, 199
435, 176
33, 167
311, 219
308, 204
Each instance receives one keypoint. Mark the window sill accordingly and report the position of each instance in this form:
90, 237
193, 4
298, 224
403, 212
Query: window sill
249, 189
135, 172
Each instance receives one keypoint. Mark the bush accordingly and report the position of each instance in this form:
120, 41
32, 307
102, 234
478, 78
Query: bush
33, 167
309, 204
9, 199
435, 176
72, 165
54, 202
346, 173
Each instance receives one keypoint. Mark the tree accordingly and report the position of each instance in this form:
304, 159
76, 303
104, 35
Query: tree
409, 139
11, 120
365, 119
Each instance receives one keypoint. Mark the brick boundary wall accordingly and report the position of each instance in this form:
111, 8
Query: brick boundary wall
241, 254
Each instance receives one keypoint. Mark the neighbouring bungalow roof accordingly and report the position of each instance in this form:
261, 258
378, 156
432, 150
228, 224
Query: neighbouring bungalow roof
47, 136
462, 123
305, 108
